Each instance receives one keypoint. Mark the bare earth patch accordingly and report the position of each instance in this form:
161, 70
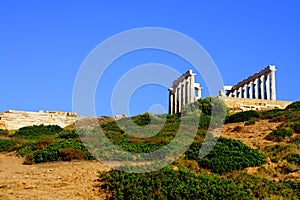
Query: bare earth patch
251, 135
56, 180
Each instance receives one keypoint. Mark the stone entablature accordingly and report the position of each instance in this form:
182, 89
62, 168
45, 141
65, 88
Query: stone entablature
183, 91
261, 85
13, 119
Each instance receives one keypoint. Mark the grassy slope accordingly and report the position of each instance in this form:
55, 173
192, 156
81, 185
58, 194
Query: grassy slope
282, 158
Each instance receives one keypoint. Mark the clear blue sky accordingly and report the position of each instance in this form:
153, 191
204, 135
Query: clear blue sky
43, 43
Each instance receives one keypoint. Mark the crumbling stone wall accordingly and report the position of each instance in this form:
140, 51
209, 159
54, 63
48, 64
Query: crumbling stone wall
13, 120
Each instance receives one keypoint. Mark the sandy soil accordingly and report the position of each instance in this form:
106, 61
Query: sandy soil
56, 180
251, 135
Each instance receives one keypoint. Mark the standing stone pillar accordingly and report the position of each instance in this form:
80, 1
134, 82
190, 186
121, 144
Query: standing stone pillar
176, 99
240, 92
268, 93
262, 87
179, 97
272, 79
236, 93
171, 101
182, 94
187, 91
192, 91
245, 91
256, 88
250, 91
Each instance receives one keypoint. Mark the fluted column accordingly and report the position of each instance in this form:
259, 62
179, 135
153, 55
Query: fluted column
250, 90
268, 93
240, 92
171, 101
273, 86
245, 91
262, 87
188, 90
236, 94
192, 90
176, 95
256, 88
179, 97
182, 94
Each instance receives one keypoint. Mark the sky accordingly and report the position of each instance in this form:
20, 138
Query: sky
44, 43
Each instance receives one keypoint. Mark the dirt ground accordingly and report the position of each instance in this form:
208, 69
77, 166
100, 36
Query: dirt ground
56, 180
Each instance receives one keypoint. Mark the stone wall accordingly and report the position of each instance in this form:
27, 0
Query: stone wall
242, 104
13, 120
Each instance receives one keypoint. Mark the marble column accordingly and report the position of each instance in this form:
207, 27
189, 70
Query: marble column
245, 91
262, 87
192, 90
267, 77
187, 91
250, 91
256, 88
273, 86
182, 94
240, 92
179, 97
171, 101
176, 100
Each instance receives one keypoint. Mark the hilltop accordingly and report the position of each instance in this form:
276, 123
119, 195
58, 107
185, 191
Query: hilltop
256, 157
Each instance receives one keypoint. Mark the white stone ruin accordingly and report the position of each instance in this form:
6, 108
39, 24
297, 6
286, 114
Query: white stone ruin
258, 86
184, 91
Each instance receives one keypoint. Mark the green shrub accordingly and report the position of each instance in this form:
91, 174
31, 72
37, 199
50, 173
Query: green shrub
294, 106
168, 183
68, 134
296, 127
62, 150
7, 145
237, 129
262, 188
142, 120
249, 122
36, 132
46, 155
279, 134
272, 113
226, 155
206, 105
294, 159
242, 116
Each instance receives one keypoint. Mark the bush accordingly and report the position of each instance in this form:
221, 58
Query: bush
68, 134
227, 155
262, 188
242, 116
142, 120
250, 122
294, 106
62, 150
7, 145
279, 134
36, 132
296, 127
205, 107
294, 159
168, 183
237, 129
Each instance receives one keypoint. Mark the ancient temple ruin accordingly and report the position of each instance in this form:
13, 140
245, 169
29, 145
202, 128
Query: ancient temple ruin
184, 91
258, 86
257, 92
